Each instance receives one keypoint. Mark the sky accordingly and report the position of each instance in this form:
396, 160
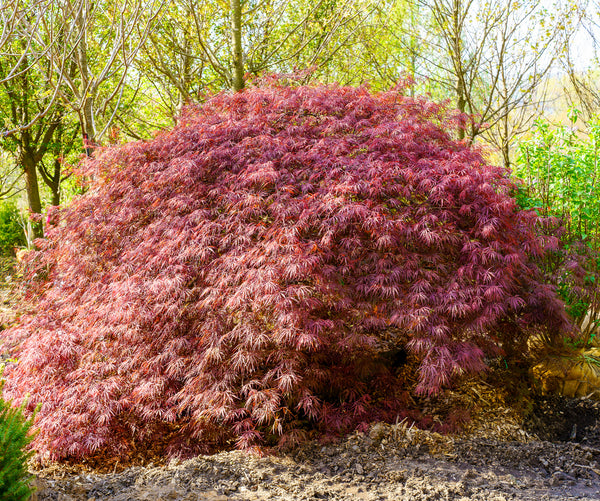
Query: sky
583, 49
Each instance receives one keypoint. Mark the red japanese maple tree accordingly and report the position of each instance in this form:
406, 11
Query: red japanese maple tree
235, 279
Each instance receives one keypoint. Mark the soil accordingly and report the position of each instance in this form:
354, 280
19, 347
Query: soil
553, 453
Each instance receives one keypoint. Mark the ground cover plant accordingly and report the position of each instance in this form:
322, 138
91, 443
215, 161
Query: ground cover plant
239, 279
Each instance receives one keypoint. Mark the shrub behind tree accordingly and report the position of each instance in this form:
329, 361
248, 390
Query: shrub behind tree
11, 231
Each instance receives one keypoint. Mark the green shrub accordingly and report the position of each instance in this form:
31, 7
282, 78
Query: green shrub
11, 232
561, 169
14, 438
561, 166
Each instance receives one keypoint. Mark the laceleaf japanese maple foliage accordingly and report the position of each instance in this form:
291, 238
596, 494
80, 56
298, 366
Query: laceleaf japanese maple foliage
235, 279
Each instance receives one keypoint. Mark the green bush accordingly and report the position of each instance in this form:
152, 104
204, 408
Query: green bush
561, 169
561, 166
11, 231
14, 438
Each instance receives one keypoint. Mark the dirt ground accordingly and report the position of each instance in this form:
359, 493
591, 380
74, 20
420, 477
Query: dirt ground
551, 454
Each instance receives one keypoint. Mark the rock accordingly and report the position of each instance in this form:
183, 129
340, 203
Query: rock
558, 477
378, 432
65, 497
469, 474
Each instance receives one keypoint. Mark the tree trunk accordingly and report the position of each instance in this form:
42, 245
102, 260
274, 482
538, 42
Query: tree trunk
236, 39
55, 185
506, 137
457, 50
88, 127
506, 155
86, 114
33, 192
461, 104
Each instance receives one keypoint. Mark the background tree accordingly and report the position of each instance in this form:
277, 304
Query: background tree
203, 46
584, 91
492, 57
392, 46
19, 53
26, 100
91, 48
